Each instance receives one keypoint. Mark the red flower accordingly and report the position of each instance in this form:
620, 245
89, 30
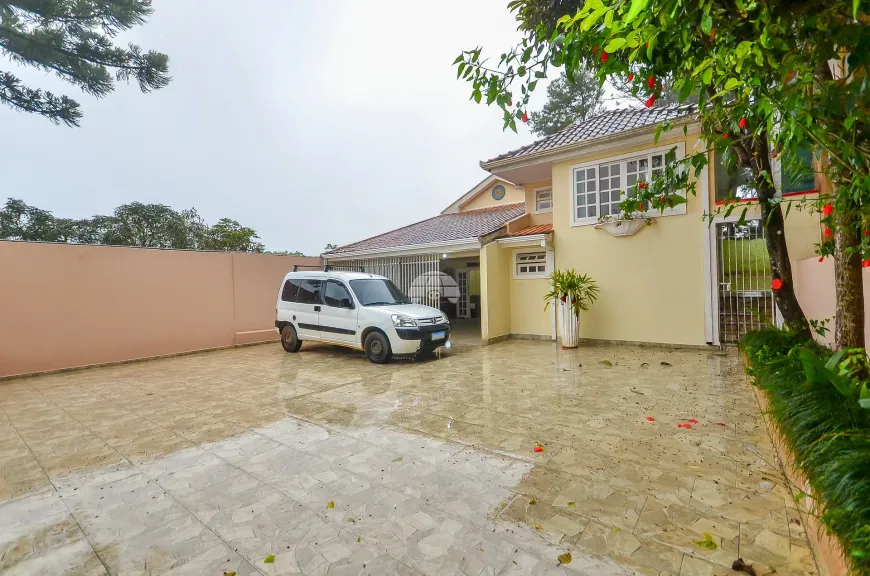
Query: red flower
525, 117
641, 184
725, 135
563, 298
538, 449
662, 199
693, 421
742, 123
650, 418
776, 284
865, 263
828, 210
595, 50
640, 207
651, 82
510, 103
827, 231
821, 258
687, 425
774, 155
604, 56
630, 77
720, 423
650, 102
866, 232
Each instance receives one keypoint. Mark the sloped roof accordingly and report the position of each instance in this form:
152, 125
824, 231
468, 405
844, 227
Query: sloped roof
443, 228
532, 230
604, 124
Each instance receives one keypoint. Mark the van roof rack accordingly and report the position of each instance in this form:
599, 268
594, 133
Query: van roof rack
296, 267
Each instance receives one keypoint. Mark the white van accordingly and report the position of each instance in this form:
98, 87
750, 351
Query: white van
358, 310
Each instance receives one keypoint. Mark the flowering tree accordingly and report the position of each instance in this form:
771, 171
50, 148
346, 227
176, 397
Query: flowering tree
761, 74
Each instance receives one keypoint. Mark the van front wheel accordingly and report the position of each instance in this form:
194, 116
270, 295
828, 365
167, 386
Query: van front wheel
289, 339
378, 348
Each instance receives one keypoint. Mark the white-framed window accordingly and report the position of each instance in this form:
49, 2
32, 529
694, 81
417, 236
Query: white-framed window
531, 264
598, 188
543, 200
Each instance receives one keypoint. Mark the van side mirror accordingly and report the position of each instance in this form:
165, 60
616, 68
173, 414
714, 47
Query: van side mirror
346, 303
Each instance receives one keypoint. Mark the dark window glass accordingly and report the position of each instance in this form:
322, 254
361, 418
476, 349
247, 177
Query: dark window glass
288, 294
378, 292
733, 183
335, 292
799, 178
309, 291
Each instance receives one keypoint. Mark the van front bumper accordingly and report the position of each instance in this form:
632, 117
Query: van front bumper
411, 340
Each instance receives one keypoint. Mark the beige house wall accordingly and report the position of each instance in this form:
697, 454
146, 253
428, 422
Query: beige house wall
528, 316
495, 288
65, 306
512, 195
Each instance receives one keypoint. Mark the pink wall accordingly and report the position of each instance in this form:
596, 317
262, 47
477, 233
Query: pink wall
63, 306
814, 286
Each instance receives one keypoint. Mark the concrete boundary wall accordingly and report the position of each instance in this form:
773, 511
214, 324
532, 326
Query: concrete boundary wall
64, 306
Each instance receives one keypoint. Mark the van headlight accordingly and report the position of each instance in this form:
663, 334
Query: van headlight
400, 321
444, 319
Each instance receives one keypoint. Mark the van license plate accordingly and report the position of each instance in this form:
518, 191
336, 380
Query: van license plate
438, 335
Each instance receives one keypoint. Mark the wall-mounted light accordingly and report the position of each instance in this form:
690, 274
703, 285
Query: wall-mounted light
444, 255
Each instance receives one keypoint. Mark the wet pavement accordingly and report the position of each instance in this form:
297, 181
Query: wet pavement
254, 461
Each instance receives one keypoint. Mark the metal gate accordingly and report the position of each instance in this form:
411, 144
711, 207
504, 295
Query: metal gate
417, 276
745, 298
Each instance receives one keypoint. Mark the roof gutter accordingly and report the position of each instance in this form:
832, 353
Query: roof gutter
570, 149
460, 245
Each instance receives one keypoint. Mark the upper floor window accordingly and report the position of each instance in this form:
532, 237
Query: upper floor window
599, 189
734, 183
543, 200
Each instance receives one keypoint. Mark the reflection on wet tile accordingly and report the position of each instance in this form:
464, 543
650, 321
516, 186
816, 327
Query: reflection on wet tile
210, 463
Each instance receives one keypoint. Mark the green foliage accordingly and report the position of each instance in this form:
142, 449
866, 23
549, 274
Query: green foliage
134, 224
74, 40
828, 435
567, 103
579, 290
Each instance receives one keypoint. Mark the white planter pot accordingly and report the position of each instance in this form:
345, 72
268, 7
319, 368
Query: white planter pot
568, 325
622, 227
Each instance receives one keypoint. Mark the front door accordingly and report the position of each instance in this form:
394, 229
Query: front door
462, 304
307, 308
745, 300
338, 315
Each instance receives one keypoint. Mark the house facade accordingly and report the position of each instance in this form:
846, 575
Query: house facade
681, 280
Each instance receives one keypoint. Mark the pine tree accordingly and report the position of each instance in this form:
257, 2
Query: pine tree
74, 39
567, 103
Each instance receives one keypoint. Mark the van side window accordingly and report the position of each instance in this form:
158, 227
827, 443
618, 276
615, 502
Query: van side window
288, 294
335, 292
309, 291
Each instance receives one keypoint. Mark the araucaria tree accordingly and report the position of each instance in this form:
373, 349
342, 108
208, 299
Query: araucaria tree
74, 40
568, 102
771, 78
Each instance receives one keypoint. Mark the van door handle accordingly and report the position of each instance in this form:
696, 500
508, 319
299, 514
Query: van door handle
317, 308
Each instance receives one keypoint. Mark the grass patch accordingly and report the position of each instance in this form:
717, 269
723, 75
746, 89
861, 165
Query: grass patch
828, 435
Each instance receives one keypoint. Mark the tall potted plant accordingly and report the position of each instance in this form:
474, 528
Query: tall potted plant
576, 292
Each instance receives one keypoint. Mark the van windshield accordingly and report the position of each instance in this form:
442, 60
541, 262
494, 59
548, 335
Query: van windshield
378, 292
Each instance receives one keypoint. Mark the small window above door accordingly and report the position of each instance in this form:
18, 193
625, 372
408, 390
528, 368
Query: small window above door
543, 200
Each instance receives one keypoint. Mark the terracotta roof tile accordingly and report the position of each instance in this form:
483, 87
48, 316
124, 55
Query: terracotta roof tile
443, 228
604, 124
532, 230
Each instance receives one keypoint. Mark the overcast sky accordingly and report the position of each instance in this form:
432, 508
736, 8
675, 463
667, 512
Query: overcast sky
309, 121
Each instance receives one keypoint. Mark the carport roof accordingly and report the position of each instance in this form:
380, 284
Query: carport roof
446, 228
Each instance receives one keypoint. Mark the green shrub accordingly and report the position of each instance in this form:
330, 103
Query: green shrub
828, 435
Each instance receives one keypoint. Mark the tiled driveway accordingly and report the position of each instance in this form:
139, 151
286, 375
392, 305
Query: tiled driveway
217, 462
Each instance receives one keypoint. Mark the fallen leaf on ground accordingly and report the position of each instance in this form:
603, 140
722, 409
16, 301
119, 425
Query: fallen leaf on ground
352, 520
331, 504
269, 559
359, 539
720, 423
533, 501
233, 573
564, 558
693, 421
399, 459
740, 566
607, 362
572, 504
537, 526
645, 365
650, 418
666, 364
707, 543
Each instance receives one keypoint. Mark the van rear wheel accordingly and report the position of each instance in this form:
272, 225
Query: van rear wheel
289, 339
378, 348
